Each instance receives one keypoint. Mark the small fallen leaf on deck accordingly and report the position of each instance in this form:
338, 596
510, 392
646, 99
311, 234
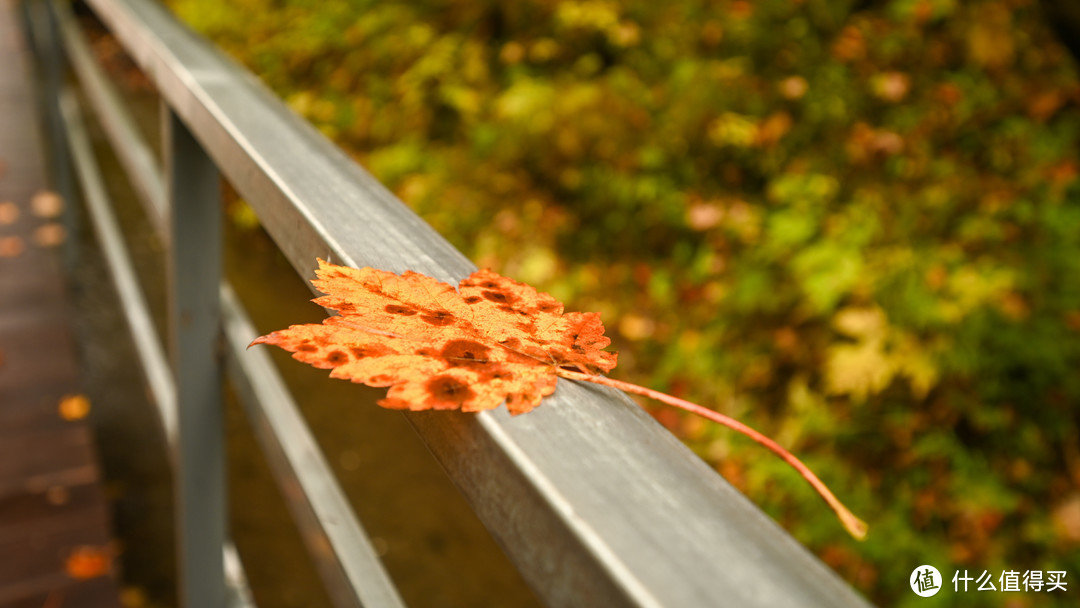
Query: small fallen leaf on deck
469, 349
49, 235
57, 495
493, 339
74, 407
86, 562
133, 597
10, 246
9, 213
47, 204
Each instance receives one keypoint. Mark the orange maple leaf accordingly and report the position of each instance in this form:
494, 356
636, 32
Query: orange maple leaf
86, 562
491, 340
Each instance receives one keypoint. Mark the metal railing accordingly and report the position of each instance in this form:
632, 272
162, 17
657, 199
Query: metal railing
594, 502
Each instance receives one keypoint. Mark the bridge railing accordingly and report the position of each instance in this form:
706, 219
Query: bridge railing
593, 501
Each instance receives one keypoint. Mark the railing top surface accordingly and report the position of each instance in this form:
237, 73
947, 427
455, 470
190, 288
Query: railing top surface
589, 496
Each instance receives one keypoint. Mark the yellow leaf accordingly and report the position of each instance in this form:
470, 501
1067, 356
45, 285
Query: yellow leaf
731, 129
858, 370
47, 204
636, 327
74, 407
879, 354
914, 361
866, 323
133, 597
10, 246
9, 212
50, 234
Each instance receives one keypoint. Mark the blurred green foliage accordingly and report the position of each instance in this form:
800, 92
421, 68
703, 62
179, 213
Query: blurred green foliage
855, 226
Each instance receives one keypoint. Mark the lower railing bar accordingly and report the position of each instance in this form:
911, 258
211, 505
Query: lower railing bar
351, 571
237, 590
136, 312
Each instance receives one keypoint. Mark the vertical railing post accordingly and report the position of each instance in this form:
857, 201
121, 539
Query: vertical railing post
194, 192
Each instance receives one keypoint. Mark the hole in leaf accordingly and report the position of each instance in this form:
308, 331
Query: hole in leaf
395, 309
449, 390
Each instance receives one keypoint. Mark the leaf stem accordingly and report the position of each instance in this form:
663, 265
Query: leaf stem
855, 526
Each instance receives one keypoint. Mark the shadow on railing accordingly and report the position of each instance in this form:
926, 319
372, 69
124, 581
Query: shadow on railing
595, 503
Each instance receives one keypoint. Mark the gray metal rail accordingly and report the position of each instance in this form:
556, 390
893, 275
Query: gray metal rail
137, 314
594, 502
353, 573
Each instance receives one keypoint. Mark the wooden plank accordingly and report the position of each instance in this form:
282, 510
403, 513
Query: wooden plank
55, 591
33, 459
34, 353
51, 506
37, 552
51, 500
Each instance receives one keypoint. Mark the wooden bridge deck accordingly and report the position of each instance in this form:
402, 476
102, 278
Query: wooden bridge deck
51, 500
